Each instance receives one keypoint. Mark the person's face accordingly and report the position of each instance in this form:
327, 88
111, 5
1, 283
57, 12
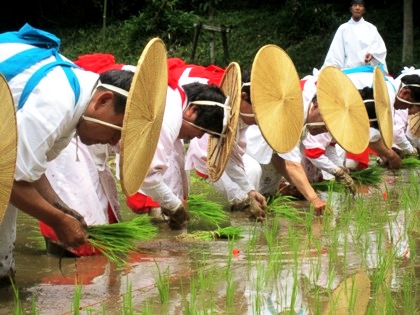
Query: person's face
246, 108
357, 10
314, 116
405, 94
189, 131
101, 109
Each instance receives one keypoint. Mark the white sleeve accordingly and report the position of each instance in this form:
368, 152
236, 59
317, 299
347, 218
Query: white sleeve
336, 53
400, 126
319, 143
154, 185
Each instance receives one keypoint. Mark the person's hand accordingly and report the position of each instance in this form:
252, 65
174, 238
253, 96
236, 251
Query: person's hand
70, 231
409, 152
255, 210
342, 177
178, 217
318, 204
250, 206
259, 197
394, 161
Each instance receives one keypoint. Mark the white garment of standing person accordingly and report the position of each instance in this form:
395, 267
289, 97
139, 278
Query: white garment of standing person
352, 41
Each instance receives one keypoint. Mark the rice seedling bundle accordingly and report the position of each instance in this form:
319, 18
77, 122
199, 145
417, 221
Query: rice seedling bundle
116, 241
369, 176
410, 162
328, 185
208, 211
229, 232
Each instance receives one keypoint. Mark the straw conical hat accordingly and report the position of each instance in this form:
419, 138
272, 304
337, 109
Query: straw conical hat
218, 149
143, 116
414, 123
383, 107
351, 296
277, 98
343, 110
8, 144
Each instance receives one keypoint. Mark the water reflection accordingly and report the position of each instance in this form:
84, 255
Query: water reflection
282, 266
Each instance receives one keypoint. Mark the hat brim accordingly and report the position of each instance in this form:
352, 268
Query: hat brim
343, 110
143, 116
277, 98
8, 145
414, 124
218, 148
352, 294
383, 107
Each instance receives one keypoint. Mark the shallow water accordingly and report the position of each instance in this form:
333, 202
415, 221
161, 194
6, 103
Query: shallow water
283, 265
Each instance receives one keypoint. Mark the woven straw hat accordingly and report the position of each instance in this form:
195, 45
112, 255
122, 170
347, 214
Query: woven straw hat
351, 296
343, 110
383, 107
414, 123
277, 98
8, 145
218, 149
143, 116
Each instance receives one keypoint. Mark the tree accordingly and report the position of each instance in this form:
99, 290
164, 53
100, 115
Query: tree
408, 38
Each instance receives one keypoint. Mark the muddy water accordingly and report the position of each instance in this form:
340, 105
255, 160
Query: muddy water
284, 265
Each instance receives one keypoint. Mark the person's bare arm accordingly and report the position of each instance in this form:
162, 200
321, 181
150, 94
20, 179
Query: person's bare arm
27, 198
295, 174
391, 158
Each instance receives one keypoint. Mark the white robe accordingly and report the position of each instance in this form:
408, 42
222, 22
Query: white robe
242, 173
46, 124
352, 41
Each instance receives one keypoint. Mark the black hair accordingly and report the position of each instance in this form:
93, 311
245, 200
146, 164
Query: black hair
121, 79
415, 91
246, 78
208, 117
367, 94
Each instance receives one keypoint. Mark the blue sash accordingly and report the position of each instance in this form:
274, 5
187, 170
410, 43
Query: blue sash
47, 45
367, 69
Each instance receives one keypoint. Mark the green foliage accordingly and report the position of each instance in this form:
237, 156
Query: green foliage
304, 29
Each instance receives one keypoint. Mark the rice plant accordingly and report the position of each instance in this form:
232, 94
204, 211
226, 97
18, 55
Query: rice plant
116, 241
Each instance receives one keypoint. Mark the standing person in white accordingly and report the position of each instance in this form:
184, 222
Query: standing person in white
356, 42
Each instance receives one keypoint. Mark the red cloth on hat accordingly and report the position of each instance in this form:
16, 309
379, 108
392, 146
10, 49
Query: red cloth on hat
176, 68
98, 63
140, 203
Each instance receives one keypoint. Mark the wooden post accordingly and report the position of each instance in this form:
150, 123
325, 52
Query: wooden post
223, 32
197, 29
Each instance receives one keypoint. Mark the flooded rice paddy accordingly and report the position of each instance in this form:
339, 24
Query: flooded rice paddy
362, 258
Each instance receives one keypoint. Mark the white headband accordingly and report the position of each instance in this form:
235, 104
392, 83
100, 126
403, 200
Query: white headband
403, 85
226, 115
113, 88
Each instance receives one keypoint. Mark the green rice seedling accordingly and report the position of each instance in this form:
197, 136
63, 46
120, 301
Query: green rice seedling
329, 186
285, 211
116, 241
410, 162
230, 284
75, 307
371, 176
190, 307
205, 210
229, 232
128, 300
409, 304
147, 309
163, 283
18, 309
